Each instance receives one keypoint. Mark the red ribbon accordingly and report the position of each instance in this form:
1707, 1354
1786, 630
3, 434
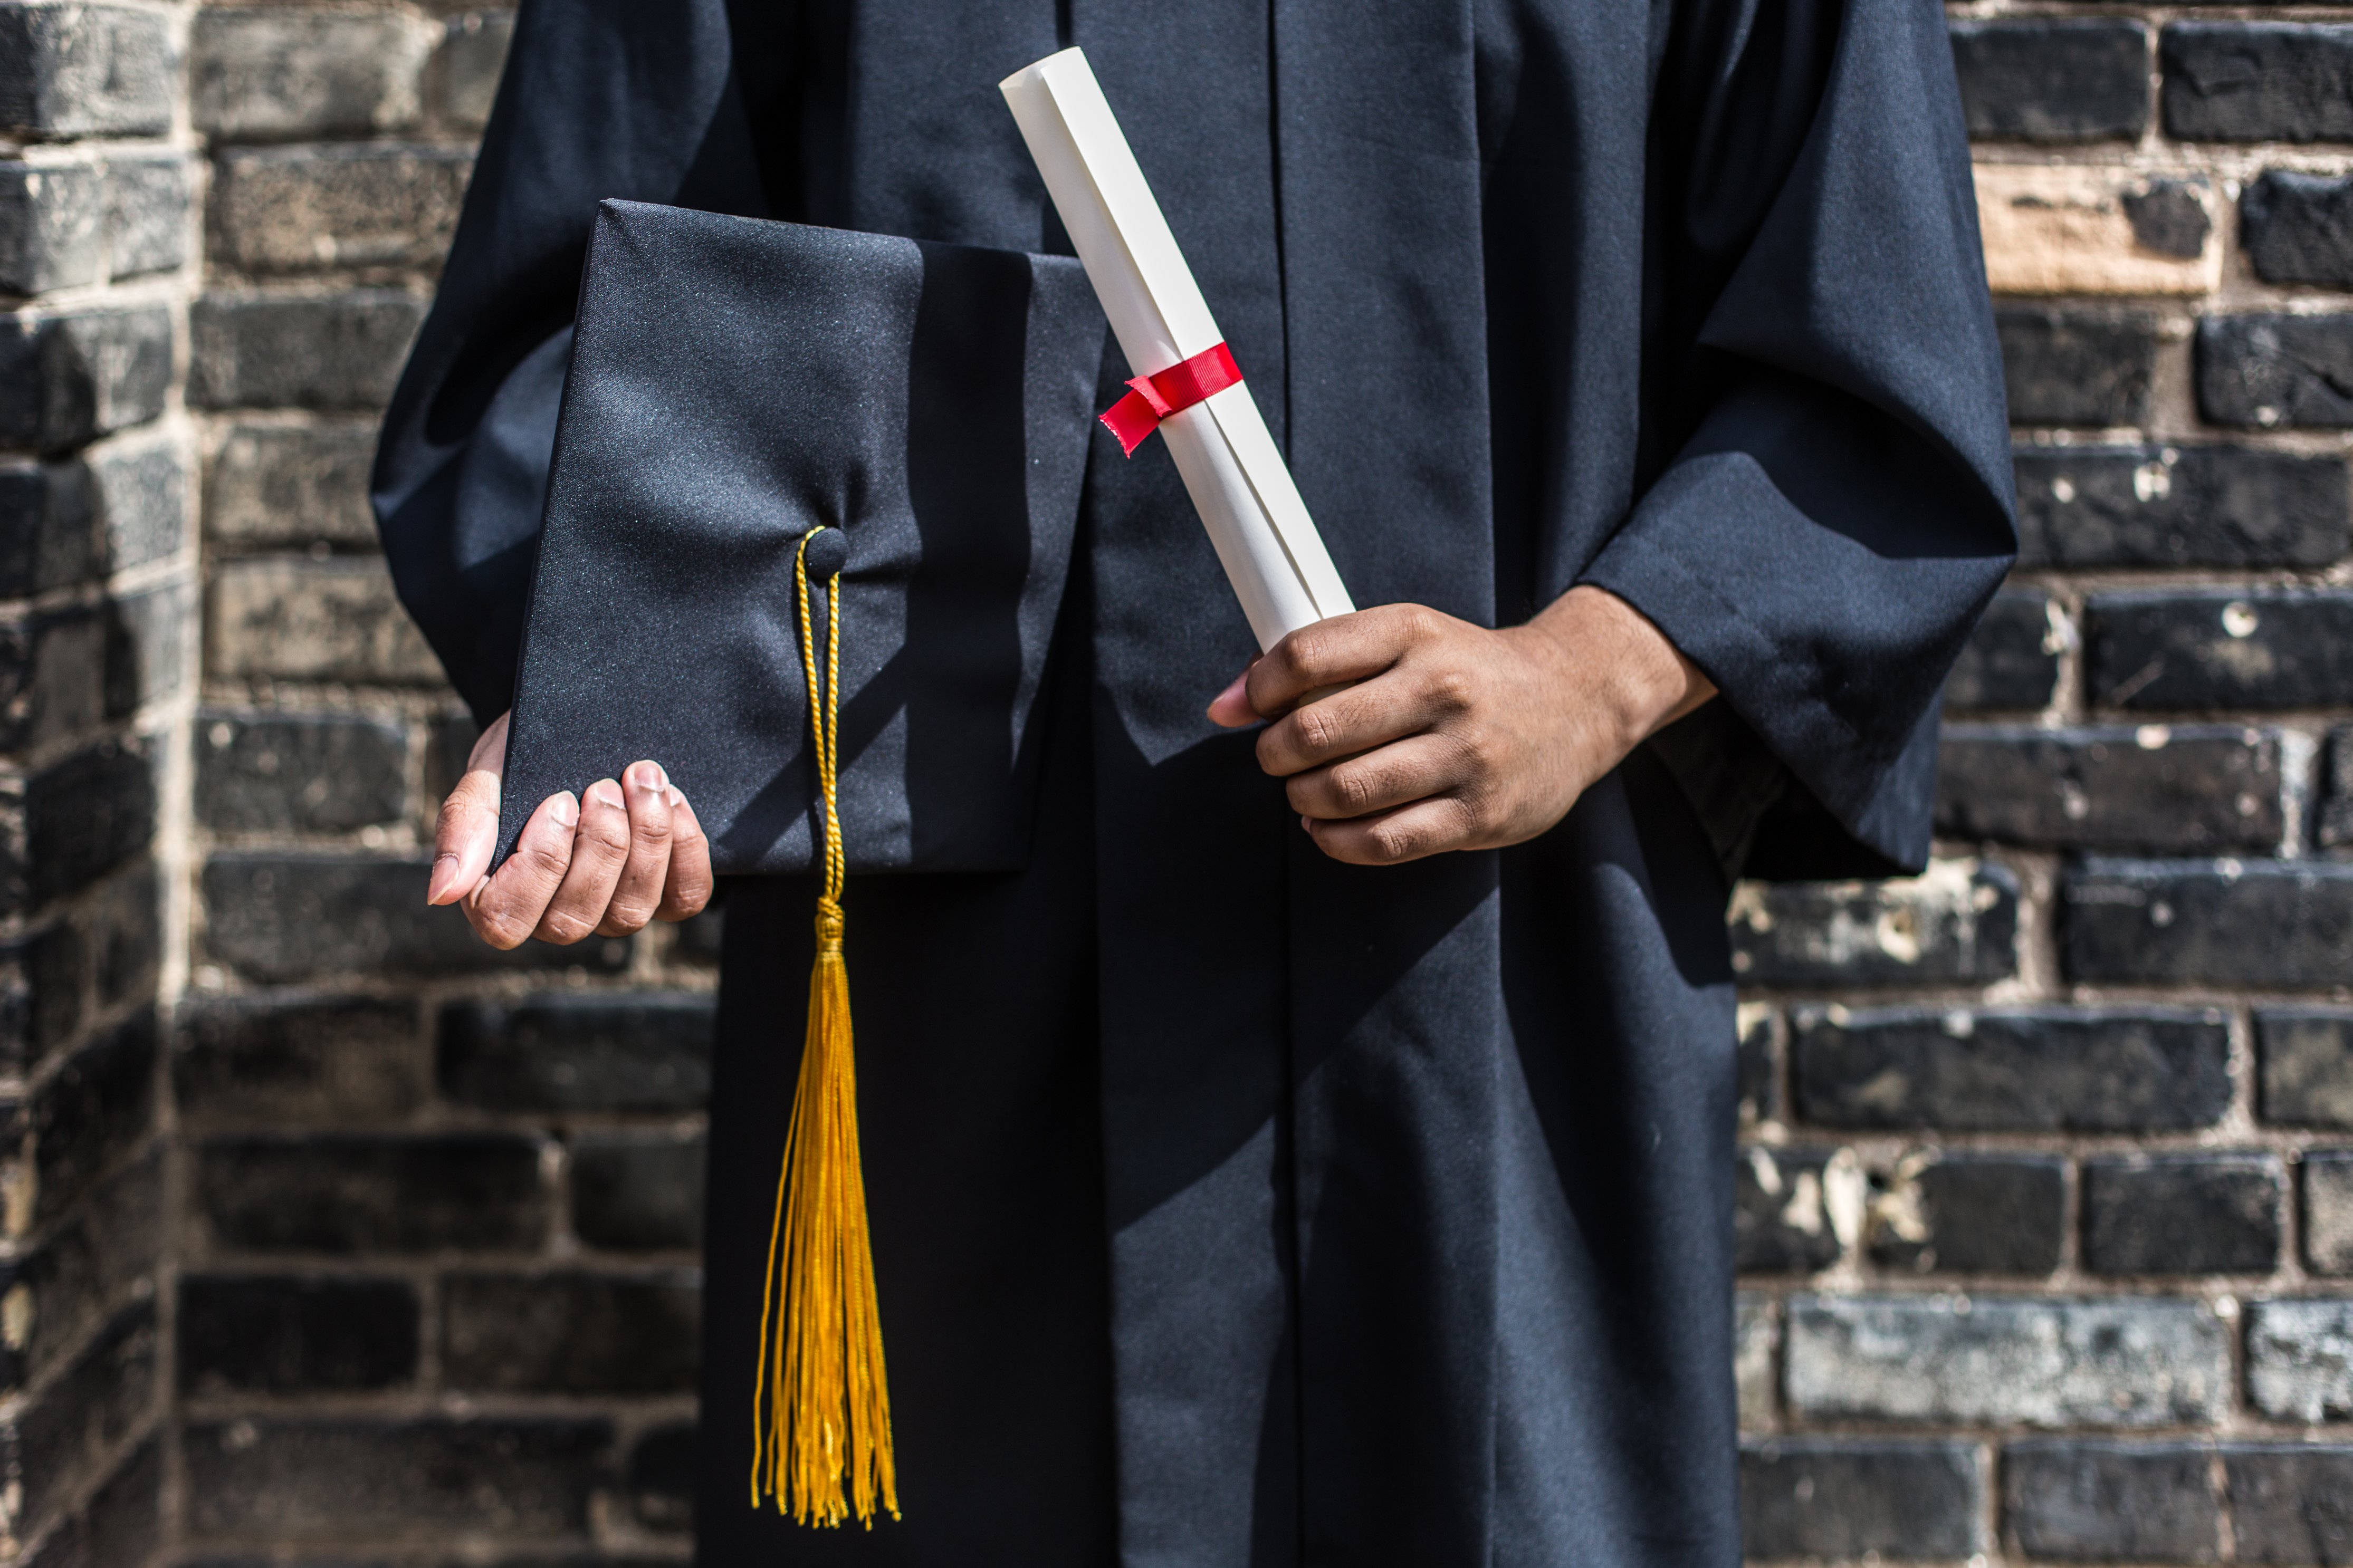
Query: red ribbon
1178, 388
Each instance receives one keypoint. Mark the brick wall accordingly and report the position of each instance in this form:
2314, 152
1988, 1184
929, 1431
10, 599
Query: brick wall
326, 1232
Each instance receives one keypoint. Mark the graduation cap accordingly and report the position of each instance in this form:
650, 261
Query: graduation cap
735, 384
807, 530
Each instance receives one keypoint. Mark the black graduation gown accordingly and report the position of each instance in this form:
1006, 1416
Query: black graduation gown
1232, 1205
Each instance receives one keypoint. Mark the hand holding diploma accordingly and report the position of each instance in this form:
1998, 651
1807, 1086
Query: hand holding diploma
1453, 736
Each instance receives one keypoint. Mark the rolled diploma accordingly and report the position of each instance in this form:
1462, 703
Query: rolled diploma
1257, 522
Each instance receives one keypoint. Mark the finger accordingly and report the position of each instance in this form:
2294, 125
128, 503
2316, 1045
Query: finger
600, 847
1383, 778
639, 890
506, 908
688, 887
1337, 652
1426, 827
1231, 709
463, 837
1371, 713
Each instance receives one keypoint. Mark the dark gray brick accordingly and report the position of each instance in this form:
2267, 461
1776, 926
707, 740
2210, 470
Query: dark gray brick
333, 619
140, 485
2010, 662
47, 529
296, 1059
85, 70
2111, 1502
2300, 1360
1993, 1360
638, 1192
1850, 1499
66, 379
147, 201
579, 1052
2257, 81
2269, 371
572, 1332
2298, 228
2183, 1214
43, 977
1956, 924
2153, 787
662, 1477
2201, 649
122, 1526
64, 1439
52, 227
2171, 922
2291, 1503
2037, 81
1780, 1220
299, 772
2179, 506
266, 1334
126, 934
2335, 828
2076, 367
472, 54
354, 1193
52, 678
2025, 1070
2306, 1074
292, 484
297, 209
147, 646
276, 73
1972, 1214
299, 351
370, 1479
86, 1268
79, 1122
284, 917
2327, 1179
82, 818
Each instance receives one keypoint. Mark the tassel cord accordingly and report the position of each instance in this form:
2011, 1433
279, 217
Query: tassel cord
820, 1403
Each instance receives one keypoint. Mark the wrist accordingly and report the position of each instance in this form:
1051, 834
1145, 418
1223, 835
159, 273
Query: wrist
1641, 681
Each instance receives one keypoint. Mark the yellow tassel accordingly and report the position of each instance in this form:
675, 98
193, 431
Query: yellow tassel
820, 1407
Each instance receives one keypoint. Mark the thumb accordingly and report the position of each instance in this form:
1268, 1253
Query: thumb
469, 825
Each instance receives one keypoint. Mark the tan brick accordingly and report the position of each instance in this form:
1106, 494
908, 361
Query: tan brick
289, 209
313, 620
269, 73
289, 484
2053, 230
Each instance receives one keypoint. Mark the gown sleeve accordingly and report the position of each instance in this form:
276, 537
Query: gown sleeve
1829, 503
601, 97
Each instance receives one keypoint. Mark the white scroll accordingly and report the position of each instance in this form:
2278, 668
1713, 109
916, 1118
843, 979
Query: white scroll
1263, 536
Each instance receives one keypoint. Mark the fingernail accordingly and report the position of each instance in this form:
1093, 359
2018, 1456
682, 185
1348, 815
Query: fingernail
676, 799
1305, 826
648, 777
444, 878
566, 810
604, 791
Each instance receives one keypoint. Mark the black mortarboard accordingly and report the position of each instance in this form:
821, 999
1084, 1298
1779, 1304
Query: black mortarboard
735, 384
